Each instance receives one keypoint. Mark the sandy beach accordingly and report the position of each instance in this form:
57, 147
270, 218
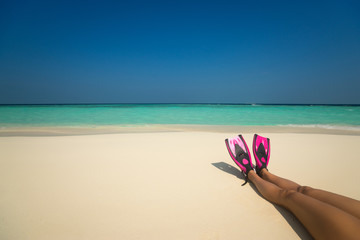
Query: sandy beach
159, 184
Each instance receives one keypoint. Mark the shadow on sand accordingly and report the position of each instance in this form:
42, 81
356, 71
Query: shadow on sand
289, 217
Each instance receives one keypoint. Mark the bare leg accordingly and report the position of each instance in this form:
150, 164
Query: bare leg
322, 220
346, 204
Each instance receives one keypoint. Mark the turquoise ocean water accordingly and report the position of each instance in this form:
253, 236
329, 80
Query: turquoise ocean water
203, 114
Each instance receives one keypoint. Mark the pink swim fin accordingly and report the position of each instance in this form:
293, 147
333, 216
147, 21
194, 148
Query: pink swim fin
239, 152
261, 151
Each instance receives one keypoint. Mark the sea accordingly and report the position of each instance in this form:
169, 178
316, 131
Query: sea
317, 116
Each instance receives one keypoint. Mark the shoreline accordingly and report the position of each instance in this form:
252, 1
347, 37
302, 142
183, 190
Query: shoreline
33, 131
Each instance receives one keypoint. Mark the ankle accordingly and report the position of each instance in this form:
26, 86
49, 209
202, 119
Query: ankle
251, 174
262, 172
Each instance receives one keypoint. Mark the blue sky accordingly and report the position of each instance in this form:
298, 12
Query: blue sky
180, 52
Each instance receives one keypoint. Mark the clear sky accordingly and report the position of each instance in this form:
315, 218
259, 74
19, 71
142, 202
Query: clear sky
180, 52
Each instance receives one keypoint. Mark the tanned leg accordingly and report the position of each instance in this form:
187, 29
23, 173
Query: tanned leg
346, 204
322, 220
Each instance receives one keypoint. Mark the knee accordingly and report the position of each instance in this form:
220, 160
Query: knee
287, 193
304, 189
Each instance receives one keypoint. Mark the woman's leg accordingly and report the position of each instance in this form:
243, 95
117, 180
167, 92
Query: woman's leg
322, 220
346, 204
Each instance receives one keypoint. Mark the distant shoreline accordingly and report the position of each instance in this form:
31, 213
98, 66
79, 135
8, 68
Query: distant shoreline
155, 128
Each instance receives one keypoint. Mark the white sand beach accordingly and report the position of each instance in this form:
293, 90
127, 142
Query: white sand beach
159, 185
